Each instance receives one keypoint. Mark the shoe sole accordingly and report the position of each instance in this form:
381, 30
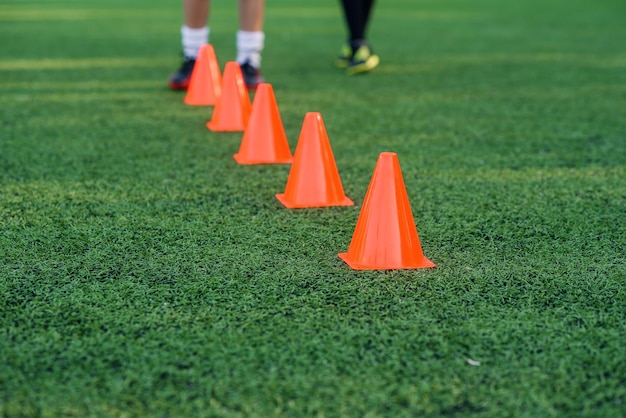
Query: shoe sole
179, 86
371, 63
253, 87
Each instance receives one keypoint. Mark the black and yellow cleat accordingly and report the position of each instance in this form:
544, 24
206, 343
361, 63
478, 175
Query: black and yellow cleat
345, 55
362, 61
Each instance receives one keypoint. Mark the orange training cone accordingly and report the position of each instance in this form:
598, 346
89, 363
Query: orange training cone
264, 140
313, 179
232, 110
205, 84
385, 236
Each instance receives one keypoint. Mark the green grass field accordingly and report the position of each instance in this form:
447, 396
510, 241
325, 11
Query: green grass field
144, 273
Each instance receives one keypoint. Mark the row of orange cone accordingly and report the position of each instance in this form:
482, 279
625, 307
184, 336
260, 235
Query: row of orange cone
385, 236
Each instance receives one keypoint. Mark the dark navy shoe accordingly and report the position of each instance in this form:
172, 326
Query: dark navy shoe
180, 79
251, 76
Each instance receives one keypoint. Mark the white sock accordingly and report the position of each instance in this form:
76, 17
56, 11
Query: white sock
249, 47
193, 39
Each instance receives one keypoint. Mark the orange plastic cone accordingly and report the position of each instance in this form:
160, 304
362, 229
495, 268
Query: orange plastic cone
313, 179
264, 140
385, 236
232, 110
205, 84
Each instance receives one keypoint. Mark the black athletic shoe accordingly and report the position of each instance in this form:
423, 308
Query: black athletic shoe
180, 79
345, 55
363, 60
251, 76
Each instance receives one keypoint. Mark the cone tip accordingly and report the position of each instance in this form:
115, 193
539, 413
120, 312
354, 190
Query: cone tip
232, 66
264, 89
313, 119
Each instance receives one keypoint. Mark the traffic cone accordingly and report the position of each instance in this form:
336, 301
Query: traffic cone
232, 110
205, 84
264, 140
385, 237
313, 179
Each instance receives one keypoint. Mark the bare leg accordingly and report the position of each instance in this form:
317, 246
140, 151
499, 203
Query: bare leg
194, 33
251, 15
195, 30
250, 40
196, 13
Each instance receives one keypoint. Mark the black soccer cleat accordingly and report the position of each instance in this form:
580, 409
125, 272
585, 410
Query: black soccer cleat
251, 76
363, 60
180, 79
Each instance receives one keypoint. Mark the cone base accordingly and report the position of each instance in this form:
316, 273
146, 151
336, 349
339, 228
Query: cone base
290, 205
215, 128
425, 263
245, 161
194, 103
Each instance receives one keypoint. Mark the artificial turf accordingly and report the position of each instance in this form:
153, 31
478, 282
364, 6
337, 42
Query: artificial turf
144, 273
